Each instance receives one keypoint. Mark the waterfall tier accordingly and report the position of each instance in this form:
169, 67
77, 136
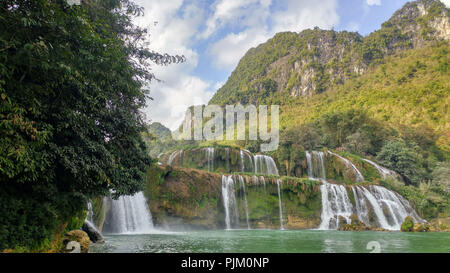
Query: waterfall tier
224, 160
375, 206
129, 214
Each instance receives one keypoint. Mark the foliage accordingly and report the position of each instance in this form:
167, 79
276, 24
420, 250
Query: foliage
408, 225
441, 176
71, 85
404, 159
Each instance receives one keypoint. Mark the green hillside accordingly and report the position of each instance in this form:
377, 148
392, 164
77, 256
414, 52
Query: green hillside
384, 96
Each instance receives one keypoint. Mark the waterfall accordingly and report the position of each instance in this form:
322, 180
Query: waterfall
129, 214
389, 208
210, 158
173, 156
335, 204
316, 170
279, 204
90, 213
265, 165
385, 173
241, 180
229, 202
358, 174
246, 157
242, 162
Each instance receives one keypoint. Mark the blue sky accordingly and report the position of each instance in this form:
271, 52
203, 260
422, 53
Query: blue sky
215, 34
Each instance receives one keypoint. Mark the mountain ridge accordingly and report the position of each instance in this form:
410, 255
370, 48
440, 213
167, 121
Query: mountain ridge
310, 62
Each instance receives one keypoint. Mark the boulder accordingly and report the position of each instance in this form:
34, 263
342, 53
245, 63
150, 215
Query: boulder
408, 224
418, 227
94, 235
76, 241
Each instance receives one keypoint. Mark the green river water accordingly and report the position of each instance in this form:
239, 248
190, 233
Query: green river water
276, 241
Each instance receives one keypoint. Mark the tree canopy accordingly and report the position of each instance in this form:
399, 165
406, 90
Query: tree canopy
72, 84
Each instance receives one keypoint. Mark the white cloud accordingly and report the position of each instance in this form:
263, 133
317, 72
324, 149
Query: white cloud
174, 33
228, 51
446, 2
182, 24
236, 12
373, 2
262, 23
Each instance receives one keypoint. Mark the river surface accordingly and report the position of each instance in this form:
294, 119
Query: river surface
275, 241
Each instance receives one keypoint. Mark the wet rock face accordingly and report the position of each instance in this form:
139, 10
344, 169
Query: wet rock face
190, 198
94, 235
76, 241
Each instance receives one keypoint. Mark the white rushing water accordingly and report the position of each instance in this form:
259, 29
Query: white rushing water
384, 172
173, 156
247, 161
241, 180
130, 215
388, 208
265, 165
210, 158
229, 202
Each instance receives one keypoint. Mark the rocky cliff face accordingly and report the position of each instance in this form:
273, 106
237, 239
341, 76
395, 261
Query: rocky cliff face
193, 199
306, 63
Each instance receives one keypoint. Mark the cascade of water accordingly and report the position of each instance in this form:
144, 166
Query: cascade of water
246, 157
309, 163
385, 173
89, 221
335, 200
279, 204
129, 214
173, 156
265, 165
264, 183
210, 158
398, 210
242, 162
229, 202
335, 204
241, 180
90, 213
358, 174
375, 205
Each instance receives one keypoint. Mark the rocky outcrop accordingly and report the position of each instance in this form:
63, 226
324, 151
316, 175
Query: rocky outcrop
357, 225
192, 199
76, 241
94, 235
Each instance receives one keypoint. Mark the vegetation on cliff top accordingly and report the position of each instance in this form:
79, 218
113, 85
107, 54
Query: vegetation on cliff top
71, 85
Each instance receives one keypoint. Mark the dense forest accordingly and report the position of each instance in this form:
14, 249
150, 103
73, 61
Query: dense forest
72, 85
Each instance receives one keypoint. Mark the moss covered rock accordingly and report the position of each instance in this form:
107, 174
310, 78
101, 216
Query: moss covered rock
408, 225
80, 238
191, 198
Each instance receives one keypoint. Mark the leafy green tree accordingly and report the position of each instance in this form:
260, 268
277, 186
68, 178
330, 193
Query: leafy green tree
71, 85
402, 158
441, 176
